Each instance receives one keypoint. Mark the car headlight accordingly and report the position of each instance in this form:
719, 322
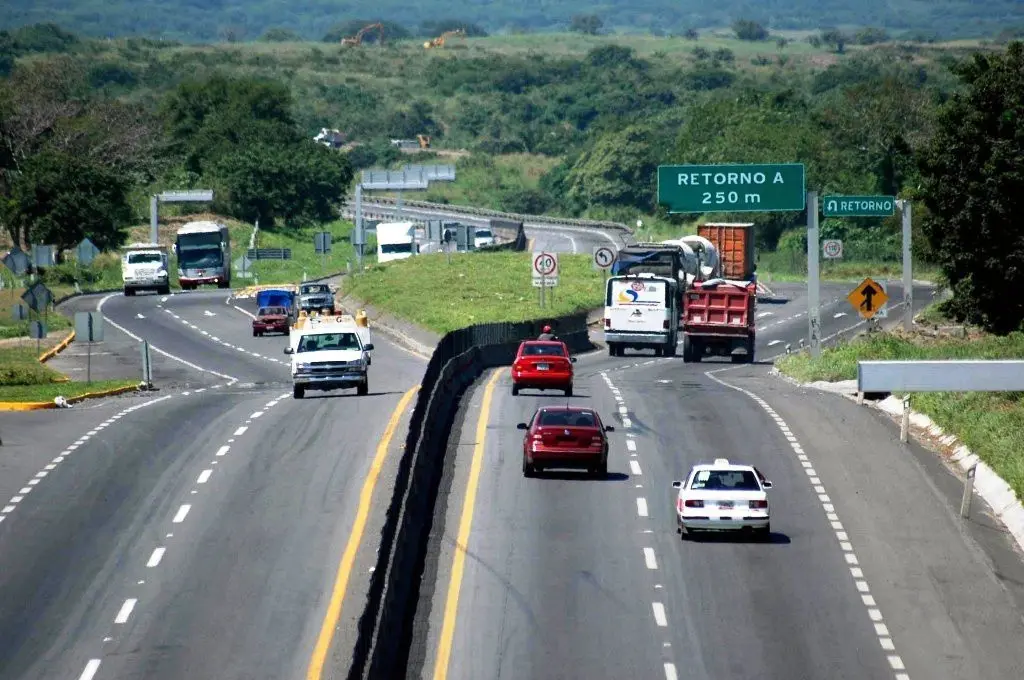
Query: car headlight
161, 272
302, 367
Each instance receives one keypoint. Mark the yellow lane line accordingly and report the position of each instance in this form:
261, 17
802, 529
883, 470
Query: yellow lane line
348, 558
451, 607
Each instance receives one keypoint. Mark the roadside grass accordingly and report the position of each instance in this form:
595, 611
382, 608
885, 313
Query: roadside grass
991, 424
305, 261
475, 288
787, 267
23, 378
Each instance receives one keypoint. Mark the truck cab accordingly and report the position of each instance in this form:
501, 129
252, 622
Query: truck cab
144, 267
641, 312
329, 354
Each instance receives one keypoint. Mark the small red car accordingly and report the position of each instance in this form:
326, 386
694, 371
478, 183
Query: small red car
565, 437
270, 320
542, 365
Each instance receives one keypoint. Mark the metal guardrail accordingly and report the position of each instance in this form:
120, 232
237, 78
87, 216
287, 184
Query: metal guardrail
269, 253
349, 206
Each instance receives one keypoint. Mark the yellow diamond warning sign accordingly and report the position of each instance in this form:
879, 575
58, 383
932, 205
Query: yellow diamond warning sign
868, 298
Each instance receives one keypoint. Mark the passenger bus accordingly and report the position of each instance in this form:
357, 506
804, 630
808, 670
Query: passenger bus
204, 255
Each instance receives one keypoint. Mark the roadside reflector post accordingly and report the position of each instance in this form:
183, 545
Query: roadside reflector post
965, 502
905, 425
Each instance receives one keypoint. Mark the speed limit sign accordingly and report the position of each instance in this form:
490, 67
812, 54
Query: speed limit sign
545, 269
832, 249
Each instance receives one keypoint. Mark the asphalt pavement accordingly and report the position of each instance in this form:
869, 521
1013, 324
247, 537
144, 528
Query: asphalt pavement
195, 531
868, 573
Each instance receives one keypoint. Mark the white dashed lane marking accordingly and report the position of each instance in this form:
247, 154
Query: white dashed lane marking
154, 559
634, 467
125, 611
860, 583
182, 513
204, 476
659, 614
90, 670
650, 559
641, 507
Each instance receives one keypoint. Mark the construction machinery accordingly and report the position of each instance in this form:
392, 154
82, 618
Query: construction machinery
357, 39
444, 37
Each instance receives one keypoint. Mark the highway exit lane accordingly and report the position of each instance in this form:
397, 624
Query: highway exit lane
567, 576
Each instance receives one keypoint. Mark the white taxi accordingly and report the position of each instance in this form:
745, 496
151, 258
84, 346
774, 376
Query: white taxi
722, 496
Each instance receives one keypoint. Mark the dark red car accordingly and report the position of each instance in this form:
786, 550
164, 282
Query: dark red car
270, 320
542, 365
565, 437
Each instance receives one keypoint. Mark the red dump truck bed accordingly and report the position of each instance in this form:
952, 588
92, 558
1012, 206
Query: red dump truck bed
718, 319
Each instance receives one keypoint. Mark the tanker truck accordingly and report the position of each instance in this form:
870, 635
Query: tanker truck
720, 300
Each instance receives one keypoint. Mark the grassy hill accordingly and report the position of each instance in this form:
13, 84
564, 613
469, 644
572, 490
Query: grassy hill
196, 20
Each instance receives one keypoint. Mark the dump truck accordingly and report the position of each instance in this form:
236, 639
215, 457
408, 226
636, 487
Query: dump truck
720, 303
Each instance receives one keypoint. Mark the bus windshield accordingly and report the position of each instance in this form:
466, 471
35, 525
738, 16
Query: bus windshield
200, 258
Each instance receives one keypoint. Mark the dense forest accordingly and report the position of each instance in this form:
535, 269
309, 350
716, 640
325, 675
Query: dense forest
577, 127
206, 20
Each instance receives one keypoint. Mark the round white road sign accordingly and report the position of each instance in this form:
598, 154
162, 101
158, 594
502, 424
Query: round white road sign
604, 257
545, 264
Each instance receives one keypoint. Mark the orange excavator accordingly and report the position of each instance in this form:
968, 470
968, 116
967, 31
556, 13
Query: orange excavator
444, 37
357, 39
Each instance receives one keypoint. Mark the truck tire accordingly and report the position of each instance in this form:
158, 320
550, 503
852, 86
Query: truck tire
687, 349
298, 392
129, 292
223, 284
164, 290
363, 388
697, 351
611, 349
670, 349
515, 390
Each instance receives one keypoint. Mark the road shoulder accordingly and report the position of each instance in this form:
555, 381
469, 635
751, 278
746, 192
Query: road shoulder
942, 582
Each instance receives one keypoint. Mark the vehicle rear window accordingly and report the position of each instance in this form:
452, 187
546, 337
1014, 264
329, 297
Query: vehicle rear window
725, 480
568, 418
543, 351
268, 311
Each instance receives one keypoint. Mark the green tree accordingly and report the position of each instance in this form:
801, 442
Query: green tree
588, 24
835, 39
60, 198
298, 184
972, 173
618, 170
745, 29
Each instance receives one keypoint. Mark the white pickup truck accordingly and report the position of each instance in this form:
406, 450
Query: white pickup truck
329, 353
144, 267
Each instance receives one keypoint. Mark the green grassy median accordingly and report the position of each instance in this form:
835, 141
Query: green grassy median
475, 288
991, 424
24, 379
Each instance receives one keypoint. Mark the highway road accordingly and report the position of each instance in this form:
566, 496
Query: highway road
196, 532
869, 573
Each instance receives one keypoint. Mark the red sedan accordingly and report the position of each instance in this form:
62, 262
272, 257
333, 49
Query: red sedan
270, 320
543, 365
565, 437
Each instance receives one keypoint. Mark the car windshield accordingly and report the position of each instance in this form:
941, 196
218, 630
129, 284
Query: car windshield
272, 311
484, 233
543, 351
393, 248
144, 258
329, 341
314, 289
564, 418
725, 480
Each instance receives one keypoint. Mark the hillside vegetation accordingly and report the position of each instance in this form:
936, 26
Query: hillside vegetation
311, 19
568, 125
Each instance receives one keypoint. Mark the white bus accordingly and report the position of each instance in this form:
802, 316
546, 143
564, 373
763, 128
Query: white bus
641, 311
204, 255
396, 241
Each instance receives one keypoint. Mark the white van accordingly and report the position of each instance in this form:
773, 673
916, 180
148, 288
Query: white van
396, 241
641, 311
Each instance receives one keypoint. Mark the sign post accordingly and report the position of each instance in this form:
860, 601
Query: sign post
908, 265
813, 276
88, 329
322, 245
147, 366
732, 188
545, 272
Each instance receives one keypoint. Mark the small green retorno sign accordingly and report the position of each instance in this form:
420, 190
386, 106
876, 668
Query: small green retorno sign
858, 206
774, 187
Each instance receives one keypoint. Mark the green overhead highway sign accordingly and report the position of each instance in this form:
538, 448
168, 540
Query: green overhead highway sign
858, 206
732, 188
